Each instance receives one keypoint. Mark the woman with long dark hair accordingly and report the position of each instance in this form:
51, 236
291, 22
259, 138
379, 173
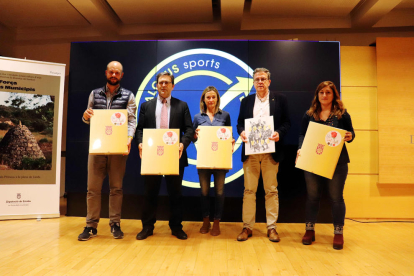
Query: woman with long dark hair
328, 109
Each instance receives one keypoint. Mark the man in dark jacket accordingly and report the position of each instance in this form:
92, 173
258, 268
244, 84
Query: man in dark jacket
165, 111
262, 104
111, 96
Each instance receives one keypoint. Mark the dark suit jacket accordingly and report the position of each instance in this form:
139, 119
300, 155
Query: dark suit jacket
344, 123
180, 118
279, 111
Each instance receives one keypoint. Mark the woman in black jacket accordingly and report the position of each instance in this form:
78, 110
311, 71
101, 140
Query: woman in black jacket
328, 109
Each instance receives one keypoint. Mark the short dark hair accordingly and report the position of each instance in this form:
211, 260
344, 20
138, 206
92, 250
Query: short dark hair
166, 74
264, 70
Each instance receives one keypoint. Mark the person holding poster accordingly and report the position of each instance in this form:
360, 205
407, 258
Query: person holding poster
111, 96
166, 112
327, 108
262, 104
211, 115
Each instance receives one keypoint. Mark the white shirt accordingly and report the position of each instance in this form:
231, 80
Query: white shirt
158, 110
261, 107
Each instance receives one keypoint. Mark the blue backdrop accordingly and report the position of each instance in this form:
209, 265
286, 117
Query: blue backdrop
296, 69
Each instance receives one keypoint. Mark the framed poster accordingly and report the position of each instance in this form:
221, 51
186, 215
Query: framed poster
258, 131
160, 152
109, 132
214, 148
321, 149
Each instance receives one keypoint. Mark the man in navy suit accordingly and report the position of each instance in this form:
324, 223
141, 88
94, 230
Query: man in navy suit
262, 104
165, 111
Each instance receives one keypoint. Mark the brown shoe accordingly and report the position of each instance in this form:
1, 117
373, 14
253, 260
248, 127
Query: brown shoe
244, 235
338, 242
273, 235
206, 226
309, 237
215, 231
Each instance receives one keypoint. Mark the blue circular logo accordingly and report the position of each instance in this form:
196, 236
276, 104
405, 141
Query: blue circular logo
194, 70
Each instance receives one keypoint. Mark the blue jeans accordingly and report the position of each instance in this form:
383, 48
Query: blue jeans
314, 185
205, 177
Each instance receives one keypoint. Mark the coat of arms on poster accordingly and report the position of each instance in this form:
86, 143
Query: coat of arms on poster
258, 131
160, 150
108, 130
319, 149
214, 146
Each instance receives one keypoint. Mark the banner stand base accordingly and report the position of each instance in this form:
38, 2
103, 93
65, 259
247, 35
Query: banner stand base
30, 216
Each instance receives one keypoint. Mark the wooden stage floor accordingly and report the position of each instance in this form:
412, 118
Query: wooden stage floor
50, 247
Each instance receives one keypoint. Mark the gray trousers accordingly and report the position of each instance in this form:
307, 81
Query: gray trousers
99, 166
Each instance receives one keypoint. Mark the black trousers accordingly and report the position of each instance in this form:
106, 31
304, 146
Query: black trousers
314, 185
152, 189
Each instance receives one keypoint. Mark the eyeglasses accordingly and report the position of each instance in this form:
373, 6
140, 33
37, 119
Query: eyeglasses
260, 80
164, 83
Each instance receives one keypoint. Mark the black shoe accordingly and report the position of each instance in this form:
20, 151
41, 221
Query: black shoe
116, 231
180, 234
145, 233
88, 232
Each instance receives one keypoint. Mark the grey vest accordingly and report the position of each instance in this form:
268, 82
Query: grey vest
119, 100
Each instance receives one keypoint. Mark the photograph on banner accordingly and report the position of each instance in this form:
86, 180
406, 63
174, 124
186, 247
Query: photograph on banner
27, 127
258, 131
26, 131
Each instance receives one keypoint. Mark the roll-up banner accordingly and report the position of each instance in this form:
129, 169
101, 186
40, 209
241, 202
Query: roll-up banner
31, 108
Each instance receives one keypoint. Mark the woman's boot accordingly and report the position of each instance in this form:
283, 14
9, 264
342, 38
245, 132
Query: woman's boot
338, 241
206, 226
216, 228
309, 236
